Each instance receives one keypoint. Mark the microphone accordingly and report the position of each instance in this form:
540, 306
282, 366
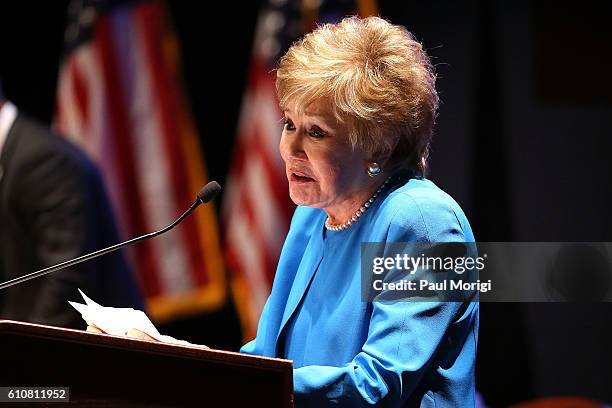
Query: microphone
207, 193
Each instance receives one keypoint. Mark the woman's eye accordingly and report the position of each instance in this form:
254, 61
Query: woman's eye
316, 133
289, 124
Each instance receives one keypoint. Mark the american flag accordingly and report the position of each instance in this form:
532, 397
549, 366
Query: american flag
256, 207
120, 97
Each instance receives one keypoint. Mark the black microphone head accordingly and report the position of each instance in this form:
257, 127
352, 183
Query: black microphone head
208, 192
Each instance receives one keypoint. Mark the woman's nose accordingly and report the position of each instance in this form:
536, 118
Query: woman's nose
292, 145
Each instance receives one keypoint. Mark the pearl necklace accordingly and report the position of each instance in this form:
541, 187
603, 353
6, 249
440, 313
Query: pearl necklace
358, 213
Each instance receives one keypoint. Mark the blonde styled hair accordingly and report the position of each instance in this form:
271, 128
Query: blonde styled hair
378, 81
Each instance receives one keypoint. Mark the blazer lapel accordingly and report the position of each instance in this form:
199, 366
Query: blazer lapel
10, 139
303, 278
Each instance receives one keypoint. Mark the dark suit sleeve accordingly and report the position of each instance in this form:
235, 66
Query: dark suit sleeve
53, 198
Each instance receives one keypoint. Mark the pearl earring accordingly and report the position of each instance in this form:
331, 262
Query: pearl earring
374, 169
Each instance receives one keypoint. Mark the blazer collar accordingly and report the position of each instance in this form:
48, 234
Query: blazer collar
8, 114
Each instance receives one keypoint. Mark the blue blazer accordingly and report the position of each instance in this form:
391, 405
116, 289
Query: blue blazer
354, 353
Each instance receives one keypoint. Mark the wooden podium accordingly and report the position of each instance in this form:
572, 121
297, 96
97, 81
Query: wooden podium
110, 371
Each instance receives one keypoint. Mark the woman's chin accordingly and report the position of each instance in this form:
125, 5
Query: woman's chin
300, 197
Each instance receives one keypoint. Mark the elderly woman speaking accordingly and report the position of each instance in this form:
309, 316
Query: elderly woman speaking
359, 101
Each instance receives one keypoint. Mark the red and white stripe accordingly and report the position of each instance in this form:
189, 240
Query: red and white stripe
118, 98
256, 208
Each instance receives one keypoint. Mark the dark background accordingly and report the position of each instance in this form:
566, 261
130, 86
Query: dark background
523, 143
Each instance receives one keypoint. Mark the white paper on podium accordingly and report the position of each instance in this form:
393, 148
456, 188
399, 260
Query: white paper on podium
117, 321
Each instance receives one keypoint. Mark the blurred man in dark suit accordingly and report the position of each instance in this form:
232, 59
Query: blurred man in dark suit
53, 207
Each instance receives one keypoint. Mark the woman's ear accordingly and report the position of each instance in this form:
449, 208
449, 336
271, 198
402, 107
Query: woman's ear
373, 168
382, 160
